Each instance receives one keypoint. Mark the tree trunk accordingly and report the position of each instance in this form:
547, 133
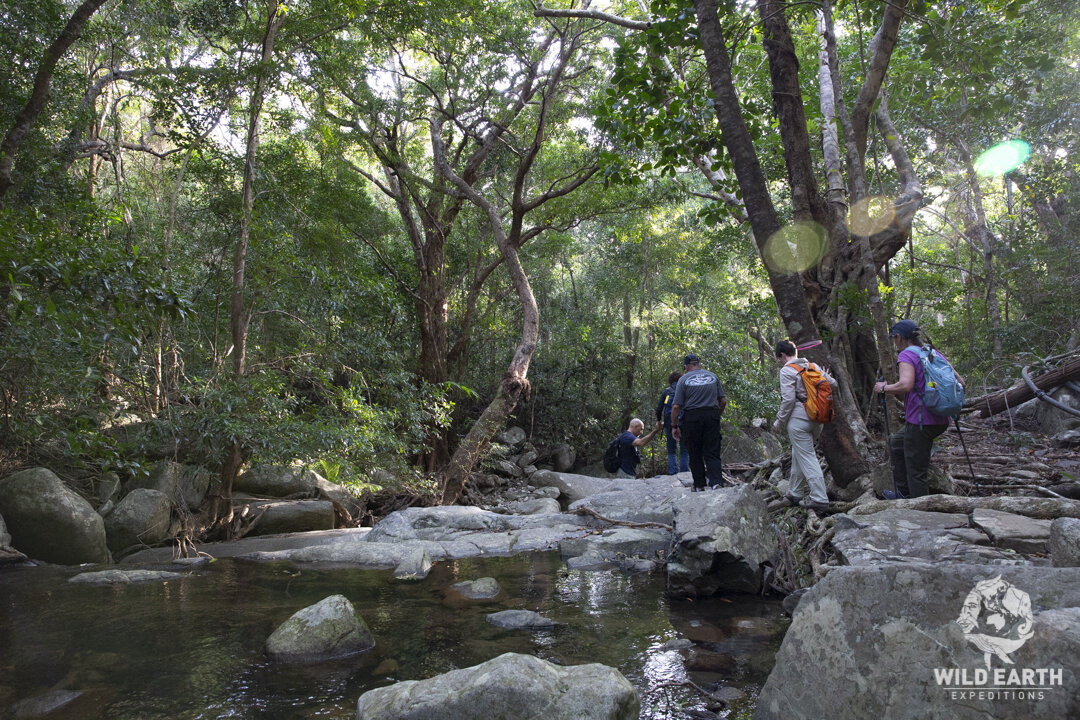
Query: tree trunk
981, 234
40, 94
239, 316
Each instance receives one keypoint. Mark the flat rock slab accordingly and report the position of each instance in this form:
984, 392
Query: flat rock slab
897, 535
249, 545
1015, 532
877, 642
125, 577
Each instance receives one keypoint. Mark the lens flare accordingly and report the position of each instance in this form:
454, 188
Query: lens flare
1002, 158
797, 247
871, 215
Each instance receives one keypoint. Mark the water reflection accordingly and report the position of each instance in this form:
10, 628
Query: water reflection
194, 648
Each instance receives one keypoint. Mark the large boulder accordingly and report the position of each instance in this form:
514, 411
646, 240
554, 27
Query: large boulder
571, 487
722, 540
953, 641
288, 516
49, 521
288, 480
562, 458
509, 687
742, 449
512, 437
326, 630
141, 518
277, 480
1054, 421
1065, 542
639, 502
938, 481
186, 484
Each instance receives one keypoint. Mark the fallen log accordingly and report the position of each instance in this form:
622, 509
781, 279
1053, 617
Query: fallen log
1003, 400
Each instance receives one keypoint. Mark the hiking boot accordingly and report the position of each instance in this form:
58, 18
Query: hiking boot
814, 505
695, 488
793, 499
893, 495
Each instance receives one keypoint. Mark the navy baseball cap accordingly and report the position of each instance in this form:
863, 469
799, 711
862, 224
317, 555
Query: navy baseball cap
904, 329
691, 359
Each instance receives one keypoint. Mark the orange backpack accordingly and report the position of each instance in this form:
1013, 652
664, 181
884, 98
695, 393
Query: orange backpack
819, 402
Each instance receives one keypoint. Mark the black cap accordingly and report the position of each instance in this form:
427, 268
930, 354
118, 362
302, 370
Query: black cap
904, 329
691, 359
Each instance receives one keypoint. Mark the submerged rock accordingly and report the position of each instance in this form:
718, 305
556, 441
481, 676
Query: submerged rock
509, 687
125, 577
485, 588
43, 705
521, 620
326, 630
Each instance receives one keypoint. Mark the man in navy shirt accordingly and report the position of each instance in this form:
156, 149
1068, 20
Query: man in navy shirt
629, 442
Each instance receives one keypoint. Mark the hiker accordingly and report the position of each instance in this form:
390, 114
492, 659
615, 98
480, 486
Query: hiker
909, 448
676, 461
695, 419
801, 430
629, 442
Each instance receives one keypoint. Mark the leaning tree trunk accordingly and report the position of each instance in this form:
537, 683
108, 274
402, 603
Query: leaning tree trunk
514, 383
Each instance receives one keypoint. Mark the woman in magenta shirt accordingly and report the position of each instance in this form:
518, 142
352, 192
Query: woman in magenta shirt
909, 448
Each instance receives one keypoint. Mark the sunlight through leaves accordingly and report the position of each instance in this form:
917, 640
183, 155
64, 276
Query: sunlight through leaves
796, 247
871, 215
1002, 158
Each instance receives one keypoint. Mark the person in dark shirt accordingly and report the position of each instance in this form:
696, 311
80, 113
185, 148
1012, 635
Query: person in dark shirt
700, 402
678, 459
629, 442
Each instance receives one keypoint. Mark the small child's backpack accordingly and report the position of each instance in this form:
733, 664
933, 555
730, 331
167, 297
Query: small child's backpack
819, 402
611, 455
942, 394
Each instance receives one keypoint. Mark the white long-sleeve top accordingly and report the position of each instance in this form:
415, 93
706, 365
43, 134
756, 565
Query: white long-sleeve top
793, 392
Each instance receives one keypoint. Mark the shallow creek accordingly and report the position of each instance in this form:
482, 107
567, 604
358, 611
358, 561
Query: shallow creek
192, 648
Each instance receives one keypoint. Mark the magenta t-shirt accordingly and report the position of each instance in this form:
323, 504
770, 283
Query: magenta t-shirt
914, 412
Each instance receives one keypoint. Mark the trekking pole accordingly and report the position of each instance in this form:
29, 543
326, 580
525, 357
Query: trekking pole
956, 420
885, 410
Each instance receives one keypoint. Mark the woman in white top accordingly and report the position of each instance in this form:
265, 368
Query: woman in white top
801, 430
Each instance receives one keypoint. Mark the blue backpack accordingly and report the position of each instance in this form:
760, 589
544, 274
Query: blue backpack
942, 394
